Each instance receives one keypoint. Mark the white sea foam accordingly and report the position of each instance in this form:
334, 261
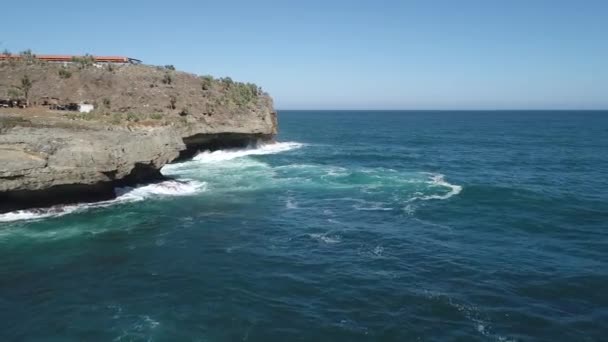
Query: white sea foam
123, 195
438, 180
291, 203
409, 210
32, 214
378, 250
326, 238
371, 206
140, 326
261, 149
167, 188
151, 323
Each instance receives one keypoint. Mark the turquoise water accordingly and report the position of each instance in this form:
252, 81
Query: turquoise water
358, 226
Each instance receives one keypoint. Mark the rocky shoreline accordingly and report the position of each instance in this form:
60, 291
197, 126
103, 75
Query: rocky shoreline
49, 157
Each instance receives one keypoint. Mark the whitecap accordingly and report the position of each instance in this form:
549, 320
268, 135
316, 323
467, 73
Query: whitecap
378, 250
166, 188
260, 149
438, 180
151, 323
333, 221
337, 171
33, 214
325, 238
409, 210
123, 195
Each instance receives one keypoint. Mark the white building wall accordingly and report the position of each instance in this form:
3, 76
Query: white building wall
85, 107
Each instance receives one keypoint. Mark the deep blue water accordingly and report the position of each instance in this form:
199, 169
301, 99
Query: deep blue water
359, 226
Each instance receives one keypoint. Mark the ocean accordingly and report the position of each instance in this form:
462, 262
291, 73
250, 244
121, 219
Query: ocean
353, 226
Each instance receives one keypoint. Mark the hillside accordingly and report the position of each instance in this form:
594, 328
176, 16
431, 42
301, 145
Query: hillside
137, 93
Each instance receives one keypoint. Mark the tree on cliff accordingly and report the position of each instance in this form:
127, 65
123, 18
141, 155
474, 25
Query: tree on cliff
24, 88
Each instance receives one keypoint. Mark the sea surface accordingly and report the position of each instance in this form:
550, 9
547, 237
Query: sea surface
354, 226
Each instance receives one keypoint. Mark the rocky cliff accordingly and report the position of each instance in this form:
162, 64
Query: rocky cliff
144, 117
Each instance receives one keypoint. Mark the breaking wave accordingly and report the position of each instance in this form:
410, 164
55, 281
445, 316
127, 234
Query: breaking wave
166, 188
326, 238
123, 195
219, 158
437, 180
262, 149
236, 170
184, 186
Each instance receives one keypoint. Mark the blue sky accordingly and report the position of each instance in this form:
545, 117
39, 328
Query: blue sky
348, 54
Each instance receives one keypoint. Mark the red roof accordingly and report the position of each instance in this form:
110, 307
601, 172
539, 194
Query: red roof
68, 58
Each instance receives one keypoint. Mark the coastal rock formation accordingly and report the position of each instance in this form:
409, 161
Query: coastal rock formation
141, 122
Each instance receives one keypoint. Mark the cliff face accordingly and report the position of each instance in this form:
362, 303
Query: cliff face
144, 118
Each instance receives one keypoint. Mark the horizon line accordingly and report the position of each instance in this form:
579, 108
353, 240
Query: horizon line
449, 110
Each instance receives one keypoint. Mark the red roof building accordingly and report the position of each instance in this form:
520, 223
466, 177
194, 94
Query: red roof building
71, 58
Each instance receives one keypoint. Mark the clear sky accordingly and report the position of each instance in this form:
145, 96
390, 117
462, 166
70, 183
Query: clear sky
310, 54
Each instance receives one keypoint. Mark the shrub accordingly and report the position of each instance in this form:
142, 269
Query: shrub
27, 55
7, 123
116, 118
14, 93
254, 89
156, 116
106, 102
227, 81
206, 82
7, 53
132, 117
243, 93
80, 116
238, 93
64, 73
172, 102
84, 61
167, 79
170, 67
